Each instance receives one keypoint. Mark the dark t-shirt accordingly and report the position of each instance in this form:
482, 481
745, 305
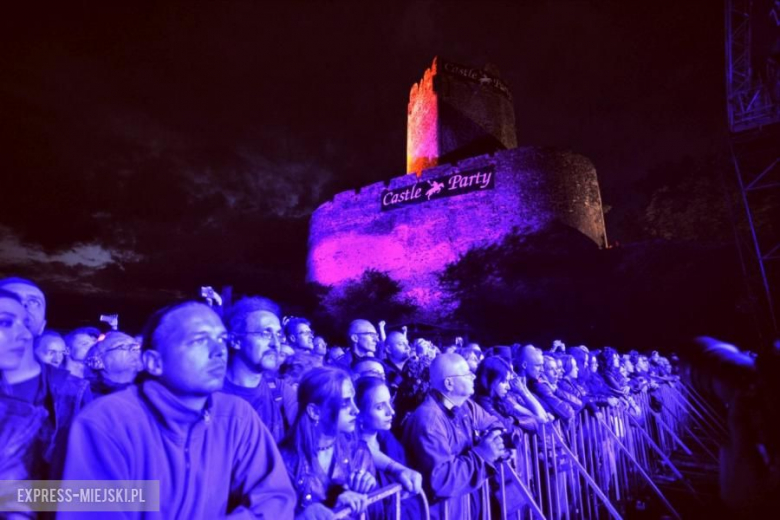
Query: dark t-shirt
262, 400
28, 390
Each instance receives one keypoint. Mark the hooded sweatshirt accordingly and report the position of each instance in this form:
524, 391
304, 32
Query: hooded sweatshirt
218, 462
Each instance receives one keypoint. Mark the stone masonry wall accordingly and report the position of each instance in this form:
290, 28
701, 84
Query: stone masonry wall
533, 187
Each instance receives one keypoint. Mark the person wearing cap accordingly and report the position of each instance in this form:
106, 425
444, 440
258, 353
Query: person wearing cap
210, 451
115, 362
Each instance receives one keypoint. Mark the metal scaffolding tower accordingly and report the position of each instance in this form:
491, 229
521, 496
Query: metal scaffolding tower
753, 107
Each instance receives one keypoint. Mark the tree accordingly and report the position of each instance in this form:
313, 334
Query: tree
374, 296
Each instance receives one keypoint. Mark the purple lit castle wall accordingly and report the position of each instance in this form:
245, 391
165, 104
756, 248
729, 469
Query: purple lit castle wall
411, 227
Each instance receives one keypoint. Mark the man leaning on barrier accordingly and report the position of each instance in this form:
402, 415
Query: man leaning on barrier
210, 451
439, 438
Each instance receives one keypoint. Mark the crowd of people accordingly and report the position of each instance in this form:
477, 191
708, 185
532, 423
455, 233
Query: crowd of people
243, 411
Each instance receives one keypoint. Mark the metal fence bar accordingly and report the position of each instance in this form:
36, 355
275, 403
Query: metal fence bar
642, 471
376, 496
576, 464
712, 421
704, 404
533, 506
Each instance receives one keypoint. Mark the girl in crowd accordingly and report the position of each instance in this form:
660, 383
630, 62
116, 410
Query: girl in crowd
374, 422
20, 421
327, 466
491, 392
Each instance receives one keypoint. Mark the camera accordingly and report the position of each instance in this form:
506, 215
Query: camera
511, 438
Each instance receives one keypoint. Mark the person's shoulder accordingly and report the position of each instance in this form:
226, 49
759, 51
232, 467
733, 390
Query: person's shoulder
117, 408
427, 411
231, 407
62, 381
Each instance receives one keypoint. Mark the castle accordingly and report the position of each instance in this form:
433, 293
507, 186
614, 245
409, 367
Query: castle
468, 184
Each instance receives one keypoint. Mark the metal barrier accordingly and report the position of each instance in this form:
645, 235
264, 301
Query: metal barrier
603, 464
393, 490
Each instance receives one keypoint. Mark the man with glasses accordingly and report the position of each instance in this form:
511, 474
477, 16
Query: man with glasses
441, 443
43, 385
300, 338
363, 339
115, 362
255, 340
299, 335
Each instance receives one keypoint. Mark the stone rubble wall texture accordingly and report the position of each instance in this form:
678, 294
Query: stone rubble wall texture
533, 188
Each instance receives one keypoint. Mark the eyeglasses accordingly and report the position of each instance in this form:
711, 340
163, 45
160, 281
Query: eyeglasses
369, 334
265, 334
306, 333
461, 375
127, 347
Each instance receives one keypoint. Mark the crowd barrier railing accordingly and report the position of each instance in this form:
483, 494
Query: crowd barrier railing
603, 464
393, 491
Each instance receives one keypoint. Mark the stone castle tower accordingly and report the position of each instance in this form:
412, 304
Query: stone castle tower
473, 186
456, 112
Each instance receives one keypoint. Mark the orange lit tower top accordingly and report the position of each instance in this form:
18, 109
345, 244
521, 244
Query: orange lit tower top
456, 112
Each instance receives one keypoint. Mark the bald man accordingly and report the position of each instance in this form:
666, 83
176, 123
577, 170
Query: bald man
529, 365
397, 351
363, 340
544, 386
440, 439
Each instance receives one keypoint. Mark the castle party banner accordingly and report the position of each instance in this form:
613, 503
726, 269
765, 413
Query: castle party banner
446, 186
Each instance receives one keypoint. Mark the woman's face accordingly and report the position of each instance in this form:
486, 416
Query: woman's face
379, 414
594, 364
349, 411
473, 361
551, 371
14, 334
500, 387
574, 370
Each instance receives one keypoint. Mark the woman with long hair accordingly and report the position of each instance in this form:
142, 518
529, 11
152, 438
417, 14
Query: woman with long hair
327, 466
491, 392
374, 422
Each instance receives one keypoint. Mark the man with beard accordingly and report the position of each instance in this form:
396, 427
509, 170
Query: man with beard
255, 339
398, 352
210, 451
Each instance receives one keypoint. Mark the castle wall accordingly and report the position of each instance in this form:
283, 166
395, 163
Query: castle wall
531, 187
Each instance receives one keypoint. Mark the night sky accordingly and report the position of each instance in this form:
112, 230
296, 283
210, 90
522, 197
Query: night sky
152, 148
